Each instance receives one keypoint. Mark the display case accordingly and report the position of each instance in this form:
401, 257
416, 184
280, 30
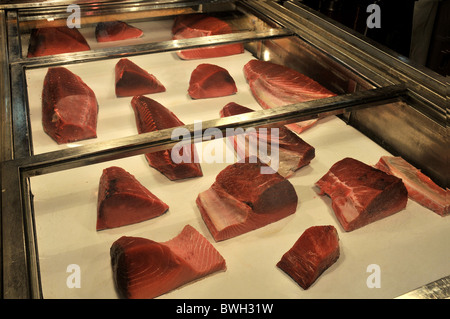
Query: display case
383, 105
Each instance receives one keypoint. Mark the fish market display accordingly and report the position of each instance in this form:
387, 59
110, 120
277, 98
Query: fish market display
152, 116
69, 107
132, 80
420, 187
123, 200
275, 85
115, 31
200, 25
313, 253
243, 199
56, 40
209, 80
293, 152
143, 268
362, 194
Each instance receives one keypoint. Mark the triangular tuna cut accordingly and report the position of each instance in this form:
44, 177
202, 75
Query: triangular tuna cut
56, 40
115, 31
313, 253
132, 80
292, 152
244, 198
420, 187
69, 107
274, 85
362, 194
123, 200
209, 81
152, 116
143, 268
200, 25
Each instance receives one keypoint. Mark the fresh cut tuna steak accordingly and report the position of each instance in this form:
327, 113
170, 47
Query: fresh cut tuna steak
69, 107
362, 194
132, 80
123, 200
313, 253
115, 31
293, 152
210, 80
56, 40
243, 199
201, 25
420, 187
275, 85
143, 268
152, 116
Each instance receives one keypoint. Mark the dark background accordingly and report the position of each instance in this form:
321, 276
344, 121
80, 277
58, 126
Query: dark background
402, 28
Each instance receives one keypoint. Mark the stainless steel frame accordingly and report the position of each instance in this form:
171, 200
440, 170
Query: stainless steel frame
391, 90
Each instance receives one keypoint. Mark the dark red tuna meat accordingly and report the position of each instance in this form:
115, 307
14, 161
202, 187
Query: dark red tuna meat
123, 200
132, 80
69, 107
152, 116
292, 152
275, 85
362, 194
200, 25
56, 40
115, 31
313, 253
143, 268
243, 199
210, 80
420, 187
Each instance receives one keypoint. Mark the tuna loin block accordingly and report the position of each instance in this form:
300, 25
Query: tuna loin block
293, 152
115, 31
122, 200
275, 85
242, 199
152, 116
201, 25
420, 187
313, 253
69, 107
209, 80
132, 80
56, 40
143, 268
362, 194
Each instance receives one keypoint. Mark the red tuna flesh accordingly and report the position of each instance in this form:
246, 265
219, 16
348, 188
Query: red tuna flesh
242, 199
143, 268
362, 194
152, 116
200, 25
132, 80
69, 107
56, 40
123, 200
293, 152
115, 31
275, 85
209, 80
313, 253
420, 187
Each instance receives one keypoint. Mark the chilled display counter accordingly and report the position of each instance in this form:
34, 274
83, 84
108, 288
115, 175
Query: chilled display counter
381, 105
